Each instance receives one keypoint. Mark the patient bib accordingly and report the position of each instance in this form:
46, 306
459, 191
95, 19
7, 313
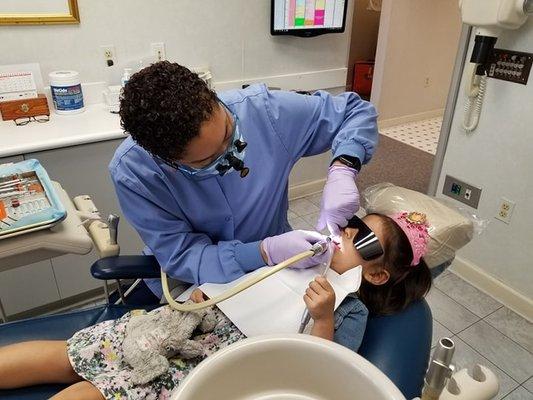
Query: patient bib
275, 305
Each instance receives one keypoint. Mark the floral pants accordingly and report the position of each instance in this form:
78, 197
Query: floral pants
95, 353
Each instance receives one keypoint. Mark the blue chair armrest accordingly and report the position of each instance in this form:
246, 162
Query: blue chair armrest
126, 267
399, 345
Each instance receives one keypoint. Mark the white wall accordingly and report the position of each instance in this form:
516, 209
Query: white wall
498, 158
231, 36
417, 40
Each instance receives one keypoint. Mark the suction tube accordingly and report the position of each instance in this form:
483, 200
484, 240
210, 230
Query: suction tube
318, 248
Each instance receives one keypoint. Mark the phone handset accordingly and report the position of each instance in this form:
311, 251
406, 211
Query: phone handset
475, 91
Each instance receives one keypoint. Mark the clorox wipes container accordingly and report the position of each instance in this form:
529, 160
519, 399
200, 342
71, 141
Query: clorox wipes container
66, 92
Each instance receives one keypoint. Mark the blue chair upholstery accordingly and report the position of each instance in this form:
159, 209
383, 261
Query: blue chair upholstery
399, 345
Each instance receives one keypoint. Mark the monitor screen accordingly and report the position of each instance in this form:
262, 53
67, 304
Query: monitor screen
308, 17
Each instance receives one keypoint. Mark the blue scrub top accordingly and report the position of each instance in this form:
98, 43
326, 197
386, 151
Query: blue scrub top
209, 229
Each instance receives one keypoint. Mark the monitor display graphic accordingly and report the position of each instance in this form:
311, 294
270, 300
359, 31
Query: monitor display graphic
308, 17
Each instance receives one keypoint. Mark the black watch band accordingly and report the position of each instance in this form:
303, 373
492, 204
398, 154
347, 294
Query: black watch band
349, 161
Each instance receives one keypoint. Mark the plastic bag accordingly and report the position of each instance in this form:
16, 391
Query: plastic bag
450, 227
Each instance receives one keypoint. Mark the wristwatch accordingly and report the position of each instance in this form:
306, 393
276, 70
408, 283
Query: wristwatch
349, 161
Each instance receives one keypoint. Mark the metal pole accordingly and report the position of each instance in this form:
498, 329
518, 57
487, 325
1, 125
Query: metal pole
119, 288
106, 291
132, 286
451, 103
3, 312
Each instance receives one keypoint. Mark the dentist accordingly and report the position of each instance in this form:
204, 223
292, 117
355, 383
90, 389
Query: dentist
203, 176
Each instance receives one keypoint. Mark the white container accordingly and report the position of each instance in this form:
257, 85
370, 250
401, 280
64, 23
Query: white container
286, 367
66, 91
126, 77
482, 384
112, 98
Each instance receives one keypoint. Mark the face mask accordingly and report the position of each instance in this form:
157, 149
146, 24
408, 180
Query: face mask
231, 160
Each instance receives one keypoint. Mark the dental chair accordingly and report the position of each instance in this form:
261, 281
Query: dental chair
399, 345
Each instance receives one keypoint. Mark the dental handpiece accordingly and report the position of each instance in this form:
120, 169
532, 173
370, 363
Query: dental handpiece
306, 317
112, 223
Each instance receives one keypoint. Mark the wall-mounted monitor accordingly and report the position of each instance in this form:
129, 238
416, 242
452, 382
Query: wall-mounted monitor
308, 17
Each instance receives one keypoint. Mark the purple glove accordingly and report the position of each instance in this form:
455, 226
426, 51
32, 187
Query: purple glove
340, 199
280, 248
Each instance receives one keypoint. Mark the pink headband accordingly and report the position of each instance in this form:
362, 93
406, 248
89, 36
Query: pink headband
415, 227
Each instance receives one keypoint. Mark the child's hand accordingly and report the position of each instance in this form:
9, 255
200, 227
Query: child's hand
198, 296
320, 299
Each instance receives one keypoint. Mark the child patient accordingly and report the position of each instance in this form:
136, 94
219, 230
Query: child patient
394, 275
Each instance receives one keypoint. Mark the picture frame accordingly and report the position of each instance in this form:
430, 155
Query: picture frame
39, 12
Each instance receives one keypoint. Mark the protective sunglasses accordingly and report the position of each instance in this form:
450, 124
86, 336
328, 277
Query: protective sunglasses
366, 242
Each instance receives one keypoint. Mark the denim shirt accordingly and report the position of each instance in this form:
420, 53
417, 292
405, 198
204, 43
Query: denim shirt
350, 322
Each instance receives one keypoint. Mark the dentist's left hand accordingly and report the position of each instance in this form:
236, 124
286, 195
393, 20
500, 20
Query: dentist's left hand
340, 199
276, 249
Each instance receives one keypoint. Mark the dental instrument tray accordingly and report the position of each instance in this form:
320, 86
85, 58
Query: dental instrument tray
28, 201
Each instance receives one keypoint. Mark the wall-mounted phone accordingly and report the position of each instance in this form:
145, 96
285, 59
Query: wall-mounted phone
488, 17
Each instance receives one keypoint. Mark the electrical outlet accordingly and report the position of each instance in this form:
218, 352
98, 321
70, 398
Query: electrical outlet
505, 211
158, 51
427, 82
108, 52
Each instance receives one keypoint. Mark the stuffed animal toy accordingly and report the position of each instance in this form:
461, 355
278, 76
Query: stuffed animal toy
151, 339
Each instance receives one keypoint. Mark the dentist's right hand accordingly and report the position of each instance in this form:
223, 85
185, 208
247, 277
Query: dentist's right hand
276, 249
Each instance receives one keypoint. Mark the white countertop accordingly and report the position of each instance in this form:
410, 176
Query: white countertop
95, 124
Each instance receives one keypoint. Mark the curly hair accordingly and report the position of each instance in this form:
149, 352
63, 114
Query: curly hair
162, 107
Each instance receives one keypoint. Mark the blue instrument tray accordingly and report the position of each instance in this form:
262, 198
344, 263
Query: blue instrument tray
28, 200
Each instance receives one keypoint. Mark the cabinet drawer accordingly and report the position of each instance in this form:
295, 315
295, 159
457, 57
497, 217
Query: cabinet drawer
27, 287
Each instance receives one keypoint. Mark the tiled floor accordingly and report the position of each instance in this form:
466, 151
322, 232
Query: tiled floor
423, 135
483, 330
